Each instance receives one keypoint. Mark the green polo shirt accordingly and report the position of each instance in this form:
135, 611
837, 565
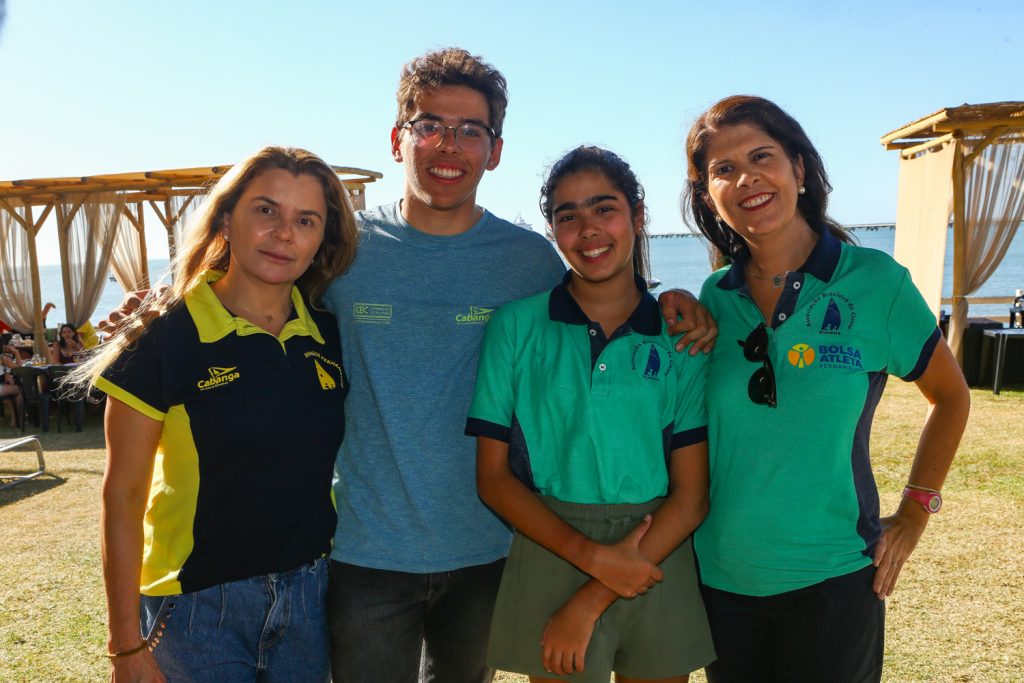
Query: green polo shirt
251, 424
793, 498
588, 418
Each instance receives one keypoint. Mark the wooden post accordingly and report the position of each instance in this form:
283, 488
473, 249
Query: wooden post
38, 332
959, 322
143, 256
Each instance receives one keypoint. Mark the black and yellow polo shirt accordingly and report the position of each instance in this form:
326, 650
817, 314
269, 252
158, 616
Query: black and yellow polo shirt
251, 426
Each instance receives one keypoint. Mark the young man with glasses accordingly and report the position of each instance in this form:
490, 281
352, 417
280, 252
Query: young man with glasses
417, 557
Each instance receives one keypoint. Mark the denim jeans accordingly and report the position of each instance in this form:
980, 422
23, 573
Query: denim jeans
266, 629
397, 627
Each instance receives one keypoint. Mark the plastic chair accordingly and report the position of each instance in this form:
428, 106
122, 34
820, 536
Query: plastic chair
35, 392
70, 401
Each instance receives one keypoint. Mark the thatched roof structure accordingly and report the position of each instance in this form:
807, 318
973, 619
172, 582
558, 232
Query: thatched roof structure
29, 203
968, 161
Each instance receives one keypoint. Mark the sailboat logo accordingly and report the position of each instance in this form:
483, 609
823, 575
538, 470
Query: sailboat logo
653, 363
833, 318
326, 381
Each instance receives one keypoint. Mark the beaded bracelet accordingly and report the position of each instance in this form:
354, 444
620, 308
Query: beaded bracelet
127, 653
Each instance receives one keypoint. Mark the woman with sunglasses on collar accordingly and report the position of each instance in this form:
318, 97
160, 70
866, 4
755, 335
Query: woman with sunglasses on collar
795, 560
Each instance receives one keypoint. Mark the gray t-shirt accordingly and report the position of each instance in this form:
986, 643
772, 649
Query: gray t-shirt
412, 311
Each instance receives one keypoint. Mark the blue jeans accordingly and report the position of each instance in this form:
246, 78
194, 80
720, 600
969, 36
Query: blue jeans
267, 629
397, 627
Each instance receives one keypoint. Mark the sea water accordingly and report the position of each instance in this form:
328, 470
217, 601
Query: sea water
683, 262
680, 262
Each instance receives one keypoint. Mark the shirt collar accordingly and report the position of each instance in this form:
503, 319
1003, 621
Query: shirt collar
821, 263
645, 318
215, 322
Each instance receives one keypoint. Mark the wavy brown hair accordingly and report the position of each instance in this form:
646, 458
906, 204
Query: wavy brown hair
204, 247
452, 66
784, 129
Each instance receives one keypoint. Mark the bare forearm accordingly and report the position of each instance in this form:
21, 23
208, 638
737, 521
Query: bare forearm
938, 443
122, 540
528, 514
673, 523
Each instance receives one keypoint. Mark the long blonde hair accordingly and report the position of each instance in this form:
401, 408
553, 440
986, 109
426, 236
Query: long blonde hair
204, 247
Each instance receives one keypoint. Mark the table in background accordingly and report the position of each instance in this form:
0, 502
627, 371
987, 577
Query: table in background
1000, 339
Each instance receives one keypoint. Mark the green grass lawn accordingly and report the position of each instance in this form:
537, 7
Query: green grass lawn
957, 614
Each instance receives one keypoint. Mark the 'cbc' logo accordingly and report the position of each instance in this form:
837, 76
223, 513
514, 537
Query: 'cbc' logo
801, 355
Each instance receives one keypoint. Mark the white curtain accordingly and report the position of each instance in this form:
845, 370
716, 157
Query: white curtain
994, 208
922, 219
126, 256
90, 239
17, 307
181, 211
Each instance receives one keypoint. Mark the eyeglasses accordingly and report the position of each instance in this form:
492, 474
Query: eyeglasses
430, 133
761, 386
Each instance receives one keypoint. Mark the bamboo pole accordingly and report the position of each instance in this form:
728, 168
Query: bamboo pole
38, 332
908, 152
140, 225
957, 321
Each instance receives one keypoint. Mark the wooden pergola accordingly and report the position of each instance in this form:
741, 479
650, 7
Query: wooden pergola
965, 131
31, 202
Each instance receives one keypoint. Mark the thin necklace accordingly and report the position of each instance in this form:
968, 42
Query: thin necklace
776, 280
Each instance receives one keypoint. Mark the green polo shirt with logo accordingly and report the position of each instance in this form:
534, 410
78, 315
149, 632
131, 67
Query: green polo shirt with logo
793, 497
241, 484
588, 418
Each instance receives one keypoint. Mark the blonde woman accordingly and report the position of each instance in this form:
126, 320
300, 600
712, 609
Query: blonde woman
217, 511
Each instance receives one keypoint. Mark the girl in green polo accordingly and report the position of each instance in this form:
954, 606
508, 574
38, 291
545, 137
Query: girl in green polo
592, 443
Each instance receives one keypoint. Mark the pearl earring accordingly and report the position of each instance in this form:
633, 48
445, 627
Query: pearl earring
801, 190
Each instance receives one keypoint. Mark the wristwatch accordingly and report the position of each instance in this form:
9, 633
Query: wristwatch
930, 499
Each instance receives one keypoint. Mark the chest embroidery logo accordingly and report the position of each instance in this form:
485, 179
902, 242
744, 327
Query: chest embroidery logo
800, 356
372, 314
326, 381
218, 378
325, 378
652, 359
834, 317
478, 315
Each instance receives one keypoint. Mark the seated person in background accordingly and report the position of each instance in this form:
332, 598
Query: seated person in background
9, 359
67, 345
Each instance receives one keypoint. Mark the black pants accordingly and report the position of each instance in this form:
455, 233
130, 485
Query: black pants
830, 632
396, 627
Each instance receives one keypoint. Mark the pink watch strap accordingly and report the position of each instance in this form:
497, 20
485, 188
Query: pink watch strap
931, 501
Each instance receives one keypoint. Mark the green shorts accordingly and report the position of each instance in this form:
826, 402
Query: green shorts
657, 635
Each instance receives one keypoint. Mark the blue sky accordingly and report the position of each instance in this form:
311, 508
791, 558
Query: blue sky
106, 87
